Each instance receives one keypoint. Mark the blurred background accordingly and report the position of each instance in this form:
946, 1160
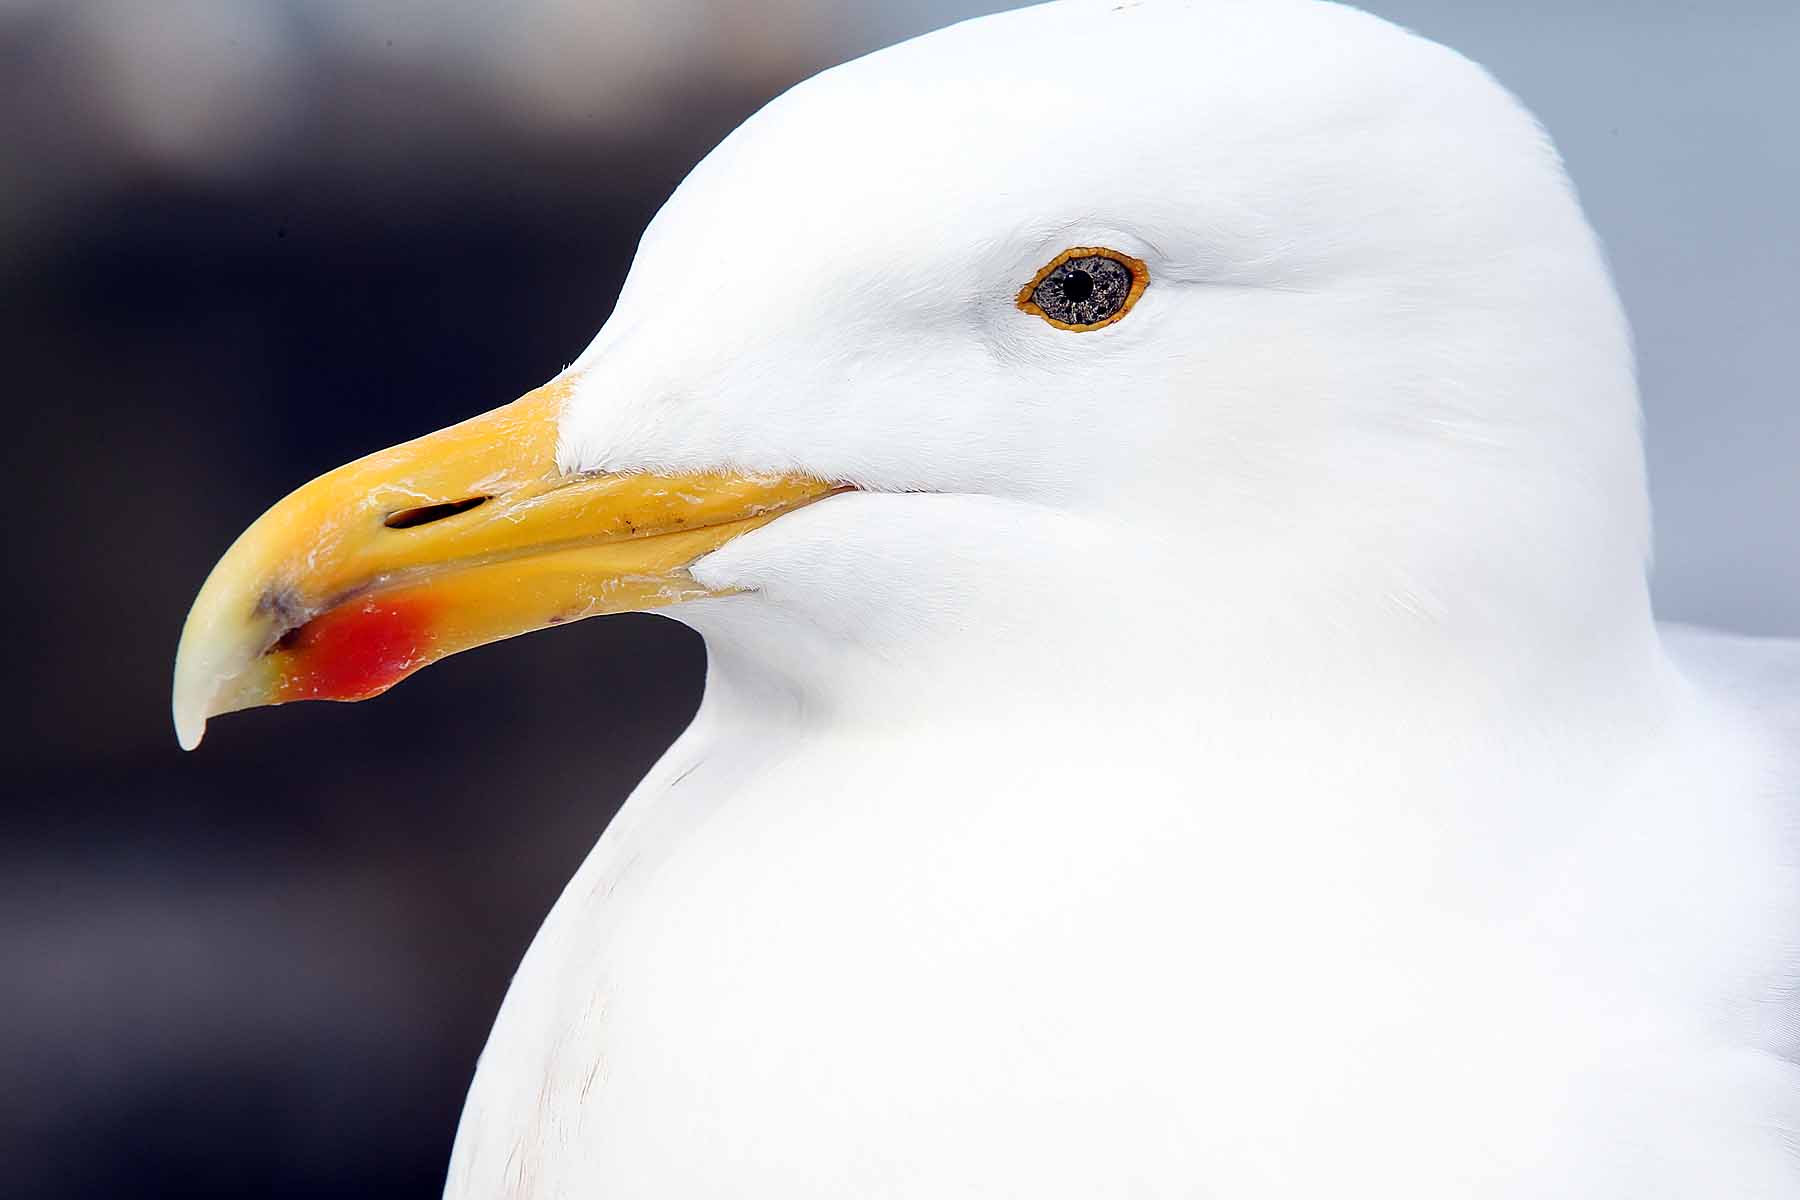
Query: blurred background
242, 241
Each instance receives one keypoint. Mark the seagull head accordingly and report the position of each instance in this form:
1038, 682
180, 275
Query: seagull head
1270, 318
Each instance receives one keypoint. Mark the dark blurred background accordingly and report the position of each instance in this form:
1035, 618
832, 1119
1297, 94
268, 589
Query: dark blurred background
242, 241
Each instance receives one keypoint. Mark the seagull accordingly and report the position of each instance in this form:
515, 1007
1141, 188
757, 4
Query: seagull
1161, 488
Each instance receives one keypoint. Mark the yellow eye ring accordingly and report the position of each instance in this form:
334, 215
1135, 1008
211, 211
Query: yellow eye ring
1085, 288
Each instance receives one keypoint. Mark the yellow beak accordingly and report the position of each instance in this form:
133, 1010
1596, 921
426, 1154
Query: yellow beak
457, 539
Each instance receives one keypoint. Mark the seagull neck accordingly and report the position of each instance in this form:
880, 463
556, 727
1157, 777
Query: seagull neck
1020, 611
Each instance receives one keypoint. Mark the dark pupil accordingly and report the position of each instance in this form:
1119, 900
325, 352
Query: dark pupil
1078, 286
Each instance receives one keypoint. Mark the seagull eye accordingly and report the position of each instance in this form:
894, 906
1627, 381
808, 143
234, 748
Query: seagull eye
1085, 288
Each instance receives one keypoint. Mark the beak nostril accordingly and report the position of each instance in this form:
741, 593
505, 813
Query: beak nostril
406, 518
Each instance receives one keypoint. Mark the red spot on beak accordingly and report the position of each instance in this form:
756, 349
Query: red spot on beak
358, 650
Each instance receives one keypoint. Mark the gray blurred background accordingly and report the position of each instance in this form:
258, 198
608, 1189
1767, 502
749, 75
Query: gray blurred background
244, 240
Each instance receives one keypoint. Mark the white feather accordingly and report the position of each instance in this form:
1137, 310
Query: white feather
1252, 771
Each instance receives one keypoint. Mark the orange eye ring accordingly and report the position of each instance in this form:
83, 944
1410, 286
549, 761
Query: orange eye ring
1079, 315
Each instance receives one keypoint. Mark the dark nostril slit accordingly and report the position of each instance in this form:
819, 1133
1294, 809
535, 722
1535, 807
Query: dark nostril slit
406, 518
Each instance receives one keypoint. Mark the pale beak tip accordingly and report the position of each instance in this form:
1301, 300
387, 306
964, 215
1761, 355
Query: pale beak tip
188, 707
189, 729
215, 655
199, 681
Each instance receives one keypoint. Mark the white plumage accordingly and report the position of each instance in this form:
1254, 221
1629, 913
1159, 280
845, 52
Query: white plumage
1252, 770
